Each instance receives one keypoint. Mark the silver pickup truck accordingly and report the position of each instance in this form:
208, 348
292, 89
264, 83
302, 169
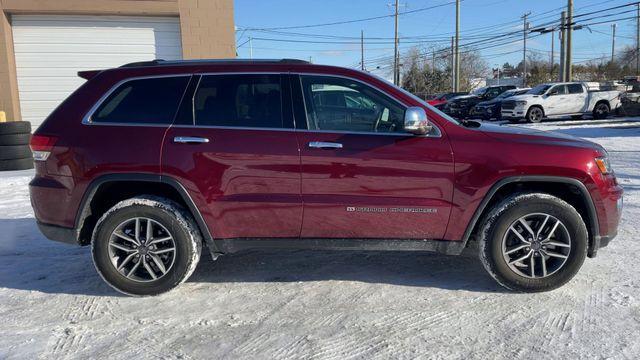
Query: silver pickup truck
560, 99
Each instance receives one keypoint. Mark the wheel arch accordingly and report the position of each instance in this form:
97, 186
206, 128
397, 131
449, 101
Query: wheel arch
122, 186
578, 196
539, 106
602, 101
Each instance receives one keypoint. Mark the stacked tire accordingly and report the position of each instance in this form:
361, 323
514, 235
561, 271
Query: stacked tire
15, 153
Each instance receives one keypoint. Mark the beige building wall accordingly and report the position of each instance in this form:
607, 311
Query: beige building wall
207, 30
8, 81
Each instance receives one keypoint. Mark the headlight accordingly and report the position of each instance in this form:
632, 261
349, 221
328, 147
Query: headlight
604, 165
521, 103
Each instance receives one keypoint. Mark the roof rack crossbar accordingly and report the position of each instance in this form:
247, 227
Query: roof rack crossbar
158, 62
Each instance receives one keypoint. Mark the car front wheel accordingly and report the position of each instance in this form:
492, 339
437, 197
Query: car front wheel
534, 114
146, 246
533, 242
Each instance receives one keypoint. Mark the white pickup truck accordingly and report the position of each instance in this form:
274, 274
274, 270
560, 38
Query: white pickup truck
573, 99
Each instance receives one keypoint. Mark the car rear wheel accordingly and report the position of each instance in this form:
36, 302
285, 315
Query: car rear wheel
146, 246
533, 242
601, 111
534, 114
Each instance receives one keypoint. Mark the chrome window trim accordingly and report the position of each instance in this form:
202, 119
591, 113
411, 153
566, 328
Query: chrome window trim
437, 133
86, 120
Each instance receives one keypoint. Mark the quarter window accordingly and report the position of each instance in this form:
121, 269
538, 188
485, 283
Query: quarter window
143, 101
239, 101
346, 105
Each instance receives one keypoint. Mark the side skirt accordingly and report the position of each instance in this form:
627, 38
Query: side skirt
438, 246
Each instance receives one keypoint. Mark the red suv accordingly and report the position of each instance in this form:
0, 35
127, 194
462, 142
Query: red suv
150, 161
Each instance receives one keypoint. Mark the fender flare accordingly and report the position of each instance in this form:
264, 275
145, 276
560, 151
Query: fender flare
84, 208
594, 228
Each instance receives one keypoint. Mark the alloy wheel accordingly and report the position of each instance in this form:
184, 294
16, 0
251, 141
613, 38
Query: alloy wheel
142, 249
602, 110
536, 245
535, 115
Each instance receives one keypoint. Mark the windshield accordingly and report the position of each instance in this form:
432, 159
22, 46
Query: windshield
479, 91
506, 94
420, 101
423, 103
539, 90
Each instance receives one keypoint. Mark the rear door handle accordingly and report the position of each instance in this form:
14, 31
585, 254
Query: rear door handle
190, 140
324, 145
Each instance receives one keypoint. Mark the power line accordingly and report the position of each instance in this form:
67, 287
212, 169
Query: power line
354, 20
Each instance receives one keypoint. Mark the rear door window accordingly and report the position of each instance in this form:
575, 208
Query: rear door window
239, 101
574, 88
142, 101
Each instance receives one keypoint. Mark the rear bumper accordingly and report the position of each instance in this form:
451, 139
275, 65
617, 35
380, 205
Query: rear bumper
59, 233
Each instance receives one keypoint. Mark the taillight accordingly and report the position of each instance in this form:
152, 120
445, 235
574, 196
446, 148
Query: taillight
41, 146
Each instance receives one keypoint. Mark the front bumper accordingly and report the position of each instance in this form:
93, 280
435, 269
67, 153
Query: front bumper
457, 112
487, 112
518, 112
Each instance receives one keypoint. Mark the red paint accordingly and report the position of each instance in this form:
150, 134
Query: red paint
268, 183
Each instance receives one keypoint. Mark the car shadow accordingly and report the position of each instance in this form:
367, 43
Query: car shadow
595, 131
419, 269
30, 262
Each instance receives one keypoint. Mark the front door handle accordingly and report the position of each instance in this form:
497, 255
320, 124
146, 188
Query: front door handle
190, 140
324, 145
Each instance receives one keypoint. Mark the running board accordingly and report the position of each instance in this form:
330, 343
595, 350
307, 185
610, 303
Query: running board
438, 246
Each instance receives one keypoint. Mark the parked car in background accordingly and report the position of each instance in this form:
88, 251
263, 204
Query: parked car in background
487, 110
441, 99
560, 99
150, 162
460, 106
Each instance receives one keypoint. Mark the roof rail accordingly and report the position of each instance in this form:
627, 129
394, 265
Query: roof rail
160, 62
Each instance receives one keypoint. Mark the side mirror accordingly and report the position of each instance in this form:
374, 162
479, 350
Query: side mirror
416, 121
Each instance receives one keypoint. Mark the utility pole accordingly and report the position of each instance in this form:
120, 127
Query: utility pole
362, 50
456, 84
569, 25
396, 70
453, 67
553, 58
250, 47
525, 28
613, 42
433, 62
563, 43
638, 41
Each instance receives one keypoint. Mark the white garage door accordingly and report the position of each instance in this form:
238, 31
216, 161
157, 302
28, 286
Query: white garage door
51, 49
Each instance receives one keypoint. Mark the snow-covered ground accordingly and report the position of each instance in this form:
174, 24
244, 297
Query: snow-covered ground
334, 305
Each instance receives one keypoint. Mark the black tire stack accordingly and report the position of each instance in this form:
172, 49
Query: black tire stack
15, 153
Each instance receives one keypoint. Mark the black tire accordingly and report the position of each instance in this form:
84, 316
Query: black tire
535, 114
14, 139
15, 127
601, 111
16, 164
496, 227
180, 226
15, 152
